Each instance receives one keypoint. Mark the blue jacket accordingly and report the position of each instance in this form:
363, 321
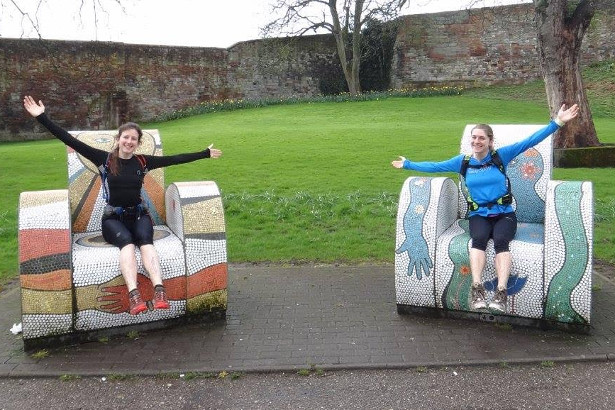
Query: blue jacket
486, 184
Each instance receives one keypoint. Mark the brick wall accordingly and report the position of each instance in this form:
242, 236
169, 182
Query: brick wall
481, 47
94, 85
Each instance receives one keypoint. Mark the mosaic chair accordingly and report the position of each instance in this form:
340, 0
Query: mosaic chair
72, 288
550, 279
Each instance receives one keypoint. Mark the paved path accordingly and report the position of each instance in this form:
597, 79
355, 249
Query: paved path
331, 317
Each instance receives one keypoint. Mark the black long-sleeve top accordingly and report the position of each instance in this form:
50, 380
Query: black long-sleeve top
124, 188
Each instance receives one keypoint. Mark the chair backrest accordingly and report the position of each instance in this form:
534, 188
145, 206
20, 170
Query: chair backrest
529, 172
84, 184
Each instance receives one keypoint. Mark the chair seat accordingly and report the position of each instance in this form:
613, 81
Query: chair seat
100, 292
525, 285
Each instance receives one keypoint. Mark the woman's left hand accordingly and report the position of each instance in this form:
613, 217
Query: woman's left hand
213, 152
566, 115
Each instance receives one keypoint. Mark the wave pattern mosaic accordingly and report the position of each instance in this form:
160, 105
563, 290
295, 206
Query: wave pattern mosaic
70, 276
550, 280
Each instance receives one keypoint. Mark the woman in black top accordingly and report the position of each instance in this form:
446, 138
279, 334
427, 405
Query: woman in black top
125, 223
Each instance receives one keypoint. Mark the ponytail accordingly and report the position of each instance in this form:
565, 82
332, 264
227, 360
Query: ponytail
114, 162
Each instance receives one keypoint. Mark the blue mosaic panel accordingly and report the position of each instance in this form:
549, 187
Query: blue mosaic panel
420, 210
568, 251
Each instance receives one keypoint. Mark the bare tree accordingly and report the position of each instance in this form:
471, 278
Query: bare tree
561, 26
343, 18
30, 17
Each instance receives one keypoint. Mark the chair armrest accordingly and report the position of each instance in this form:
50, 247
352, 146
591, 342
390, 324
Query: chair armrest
569, 218
45, 265
427, 207
195, 214
194, 209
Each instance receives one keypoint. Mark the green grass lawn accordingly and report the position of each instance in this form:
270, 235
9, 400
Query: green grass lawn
313, 181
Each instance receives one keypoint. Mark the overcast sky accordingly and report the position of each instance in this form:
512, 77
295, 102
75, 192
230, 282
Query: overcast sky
200, 23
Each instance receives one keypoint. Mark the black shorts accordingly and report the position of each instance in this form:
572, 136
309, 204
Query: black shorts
501, 228
122, 230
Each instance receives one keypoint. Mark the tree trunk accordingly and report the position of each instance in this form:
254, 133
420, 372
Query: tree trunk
356, 46
340, 36
560, 35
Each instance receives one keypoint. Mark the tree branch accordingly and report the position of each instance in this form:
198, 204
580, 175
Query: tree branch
25, 15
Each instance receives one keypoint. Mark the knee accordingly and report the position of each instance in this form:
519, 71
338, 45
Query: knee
144, 241
122, 239
501, 245
144, 233
480, 243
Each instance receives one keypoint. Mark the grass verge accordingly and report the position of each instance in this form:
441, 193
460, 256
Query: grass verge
310, 182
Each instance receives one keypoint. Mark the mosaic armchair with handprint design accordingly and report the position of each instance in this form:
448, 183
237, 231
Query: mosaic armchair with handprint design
550, 280
70, 278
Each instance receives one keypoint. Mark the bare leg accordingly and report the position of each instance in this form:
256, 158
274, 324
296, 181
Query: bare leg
151, 263
503, 262
478, 259
128, 266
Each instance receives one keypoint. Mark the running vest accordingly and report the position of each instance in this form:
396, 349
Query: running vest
505, 199
104, 171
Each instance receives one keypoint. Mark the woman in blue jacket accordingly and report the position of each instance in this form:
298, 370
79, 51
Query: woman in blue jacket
487, 185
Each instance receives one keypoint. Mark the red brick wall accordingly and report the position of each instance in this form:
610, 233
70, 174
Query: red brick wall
94, 85
482, 46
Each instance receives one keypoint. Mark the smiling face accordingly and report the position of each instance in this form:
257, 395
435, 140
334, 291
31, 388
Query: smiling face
128, 139
481, 141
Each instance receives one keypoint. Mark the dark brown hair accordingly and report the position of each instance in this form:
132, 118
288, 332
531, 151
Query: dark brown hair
114, 163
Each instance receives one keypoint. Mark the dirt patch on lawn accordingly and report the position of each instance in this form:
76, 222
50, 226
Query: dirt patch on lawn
605, 270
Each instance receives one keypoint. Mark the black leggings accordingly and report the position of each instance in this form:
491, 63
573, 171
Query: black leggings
502, 228
122, 231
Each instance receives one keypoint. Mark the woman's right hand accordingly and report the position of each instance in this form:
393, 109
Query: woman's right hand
399, 163
32, 107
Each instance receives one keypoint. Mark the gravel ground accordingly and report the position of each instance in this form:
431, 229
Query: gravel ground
546, 386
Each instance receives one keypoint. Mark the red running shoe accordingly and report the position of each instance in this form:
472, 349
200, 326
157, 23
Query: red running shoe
160, 299
137, 305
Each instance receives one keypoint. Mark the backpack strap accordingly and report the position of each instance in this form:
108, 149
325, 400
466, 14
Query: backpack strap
103, 169
506, 199
143, 163
497, 161
464, 165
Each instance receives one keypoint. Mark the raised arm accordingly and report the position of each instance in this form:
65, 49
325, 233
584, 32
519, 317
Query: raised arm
37, 110
507, 153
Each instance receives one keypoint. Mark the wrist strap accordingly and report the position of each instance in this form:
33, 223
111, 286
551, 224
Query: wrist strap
559, 122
